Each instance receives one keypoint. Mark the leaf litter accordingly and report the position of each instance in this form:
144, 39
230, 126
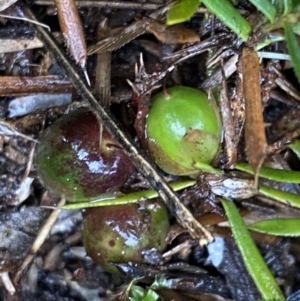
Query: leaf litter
60, 262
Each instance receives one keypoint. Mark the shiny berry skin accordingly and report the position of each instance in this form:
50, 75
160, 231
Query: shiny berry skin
71, 162
182, 128
124, 233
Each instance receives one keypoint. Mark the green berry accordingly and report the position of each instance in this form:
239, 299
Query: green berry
71, 161
183, 130
124, 233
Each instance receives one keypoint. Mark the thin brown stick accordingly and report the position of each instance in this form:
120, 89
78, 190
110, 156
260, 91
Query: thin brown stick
227, 120
22, 85
189, 52
103, 69
126, 35
7, 282
108, 4
285, 85
216, 78
172, 201
41, 237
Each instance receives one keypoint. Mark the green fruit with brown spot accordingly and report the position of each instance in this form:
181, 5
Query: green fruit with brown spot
183, 130
124, 233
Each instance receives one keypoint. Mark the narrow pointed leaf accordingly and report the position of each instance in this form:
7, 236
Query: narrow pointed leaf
224, 11
285, 197
278, 227
129, 198
279, 175
293, 49
253, 260
266, 7
288, 6
182, 11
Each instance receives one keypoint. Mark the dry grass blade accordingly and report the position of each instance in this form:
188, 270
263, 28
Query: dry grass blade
25, 20
41, 237
7, 129
13, 45
172, 201
7, 282
227, 120
285, 85
206, 45
256, 145
118, 40
103, 69
6, 3
129, 33
216, 78
71, 27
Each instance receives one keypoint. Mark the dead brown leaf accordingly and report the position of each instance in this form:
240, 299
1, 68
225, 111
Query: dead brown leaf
72, 30
176, 34
256, 145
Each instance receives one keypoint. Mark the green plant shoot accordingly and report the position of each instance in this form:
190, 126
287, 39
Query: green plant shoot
278, 227
182, 11
293, 49
253, 260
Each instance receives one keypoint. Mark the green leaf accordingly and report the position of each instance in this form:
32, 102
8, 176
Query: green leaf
136, 293
182, 11
293, 49
269, 39
285, 197
151, 296
266, 7
160, 282
224, 11
279, 175
207, 168
128, 198
296, 5
279, 6
288, 6
291, 19
253, 260
278, 227
296, 29
295, 145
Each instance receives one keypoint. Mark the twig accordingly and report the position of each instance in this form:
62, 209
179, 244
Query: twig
172, 201
26, 85
7, 282
25, 19
126, 35
110, 4
41, 237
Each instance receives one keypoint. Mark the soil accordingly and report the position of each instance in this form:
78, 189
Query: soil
35, 91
